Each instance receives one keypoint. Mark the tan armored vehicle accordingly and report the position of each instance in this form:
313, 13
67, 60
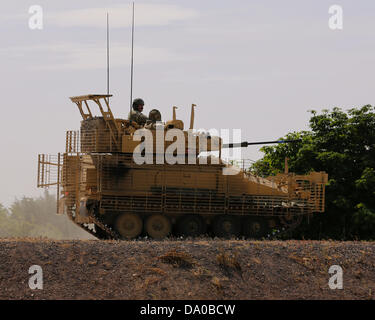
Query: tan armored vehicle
103, 187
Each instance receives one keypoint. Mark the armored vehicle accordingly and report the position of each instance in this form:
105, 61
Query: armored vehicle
119, 180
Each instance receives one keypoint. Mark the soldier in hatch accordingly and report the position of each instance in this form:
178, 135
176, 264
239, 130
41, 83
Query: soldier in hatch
153, 117
136, 114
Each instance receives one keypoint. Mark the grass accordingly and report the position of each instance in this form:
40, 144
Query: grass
228, 262
178, 259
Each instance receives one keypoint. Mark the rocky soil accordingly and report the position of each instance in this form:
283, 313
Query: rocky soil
186, 269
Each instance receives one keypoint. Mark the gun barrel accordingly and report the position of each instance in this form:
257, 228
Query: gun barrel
245, 144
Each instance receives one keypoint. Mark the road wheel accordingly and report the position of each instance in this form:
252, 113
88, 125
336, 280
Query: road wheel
158, 226
226, 226
290, 220
272, 223
255, 227
129, 225
191, 225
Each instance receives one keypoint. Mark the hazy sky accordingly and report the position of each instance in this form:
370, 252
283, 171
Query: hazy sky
254, 65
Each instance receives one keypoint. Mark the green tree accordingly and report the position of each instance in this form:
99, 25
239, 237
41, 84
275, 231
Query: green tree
343, 145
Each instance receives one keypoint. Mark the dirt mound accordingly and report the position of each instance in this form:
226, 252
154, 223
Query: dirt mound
190, 269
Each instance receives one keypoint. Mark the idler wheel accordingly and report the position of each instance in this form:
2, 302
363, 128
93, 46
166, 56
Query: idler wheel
255, 227
191, 225
158, 226
129, 225
226, 226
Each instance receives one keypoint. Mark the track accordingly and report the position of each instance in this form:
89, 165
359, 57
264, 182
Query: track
104, 231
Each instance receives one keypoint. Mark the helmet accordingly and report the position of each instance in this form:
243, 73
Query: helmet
154, 115
137, 102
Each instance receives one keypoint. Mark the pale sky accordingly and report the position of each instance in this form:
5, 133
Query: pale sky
258, 66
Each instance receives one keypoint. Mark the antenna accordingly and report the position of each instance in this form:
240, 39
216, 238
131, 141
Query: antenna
192, 116
108, 55
132, 63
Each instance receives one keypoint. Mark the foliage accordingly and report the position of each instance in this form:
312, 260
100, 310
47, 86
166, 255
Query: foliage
343, 145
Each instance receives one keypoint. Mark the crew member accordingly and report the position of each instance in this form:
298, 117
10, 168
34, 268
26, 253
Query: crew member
136, 114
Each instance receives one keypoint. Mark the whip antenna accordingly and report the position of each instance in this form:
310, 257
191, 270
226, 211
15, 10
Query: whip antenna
107, 55
132, 63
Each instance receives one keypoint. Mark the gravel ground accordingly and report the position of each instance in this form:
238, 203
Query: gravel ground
189, 269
